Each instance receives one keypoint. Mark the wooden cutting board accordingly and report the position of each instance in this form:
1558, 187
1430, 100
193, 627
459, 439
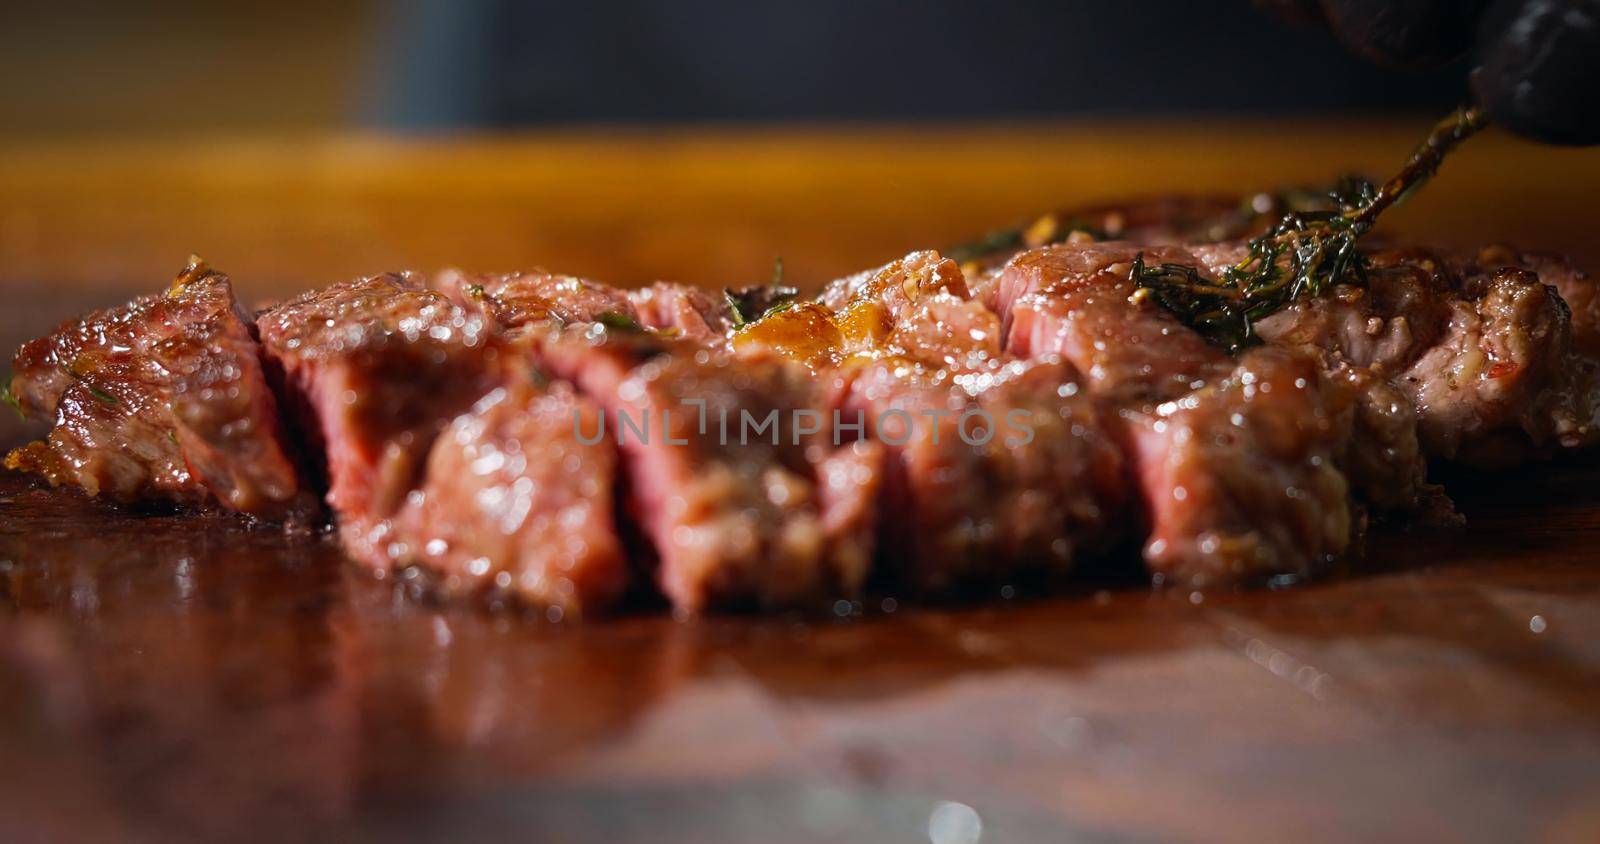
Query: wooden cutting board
171, 676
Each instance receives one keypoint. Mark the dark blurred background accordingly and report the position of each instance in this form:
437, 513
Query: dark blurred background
167, 65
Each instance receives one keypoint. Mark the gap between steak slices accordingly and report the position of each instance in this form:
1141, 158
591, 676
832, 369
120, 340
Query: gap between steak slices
731, 523
513, 502
1236, 460
735, 518
443, 449
161, 398
998, 467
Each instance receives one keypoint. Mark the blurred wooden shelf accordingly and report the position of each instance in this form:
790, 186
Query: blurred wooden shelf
708, 205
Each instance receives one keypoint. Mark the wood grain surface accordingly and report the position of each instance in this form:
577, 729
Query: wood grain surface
180, 677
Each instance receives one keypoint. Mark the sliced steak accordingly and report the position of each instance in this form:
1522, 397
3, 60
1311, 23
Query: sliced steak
721, 480
992, 474
1235, 460
513, 502
891, 290
1073, 301
161, 398
996, 467
374, 369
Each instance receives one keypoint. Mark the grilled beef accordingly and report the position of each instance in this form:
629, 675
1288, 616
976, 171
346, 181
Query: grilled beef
996, 466
721, 479
924, 425
161, 398
734, 518
1235, 460
683, 311
1484, 351
512, 501
373, 369
447, 447
538, 298
991, 474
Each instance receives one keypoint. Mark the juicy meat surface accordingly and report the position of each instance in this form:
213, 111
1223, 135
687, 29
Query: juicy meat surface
721, 478
374, 369
689, 312
1235, 461
1483, 351
916, 309
513, 502
164, 397
1574, 285
995, 466
535, 298
990, 474
1073, 301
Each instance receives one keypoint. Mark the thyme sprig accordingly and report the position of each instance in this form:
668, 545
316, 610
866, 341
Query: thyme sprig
750, 304
1307, 253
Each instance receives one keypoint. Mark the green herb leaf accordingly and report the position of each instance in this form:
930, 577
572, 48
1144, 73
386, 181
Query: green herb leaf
103, 396
750, 304
735, 307
618, 321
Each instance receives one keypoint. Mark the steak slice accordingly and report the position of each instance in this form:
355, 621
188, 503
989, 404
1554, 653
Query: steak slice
1577, 289
161, 398
1235, 460
992, 474
374, 369
733, 523
513, 503
1073, 301
772, 518
995, 467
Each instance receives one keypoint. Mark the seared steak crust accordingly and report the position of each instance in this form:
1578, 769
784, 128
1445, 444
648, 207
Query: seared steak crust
516, 300
162, 398
733, 509
991, 474
512, 502
375, 368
